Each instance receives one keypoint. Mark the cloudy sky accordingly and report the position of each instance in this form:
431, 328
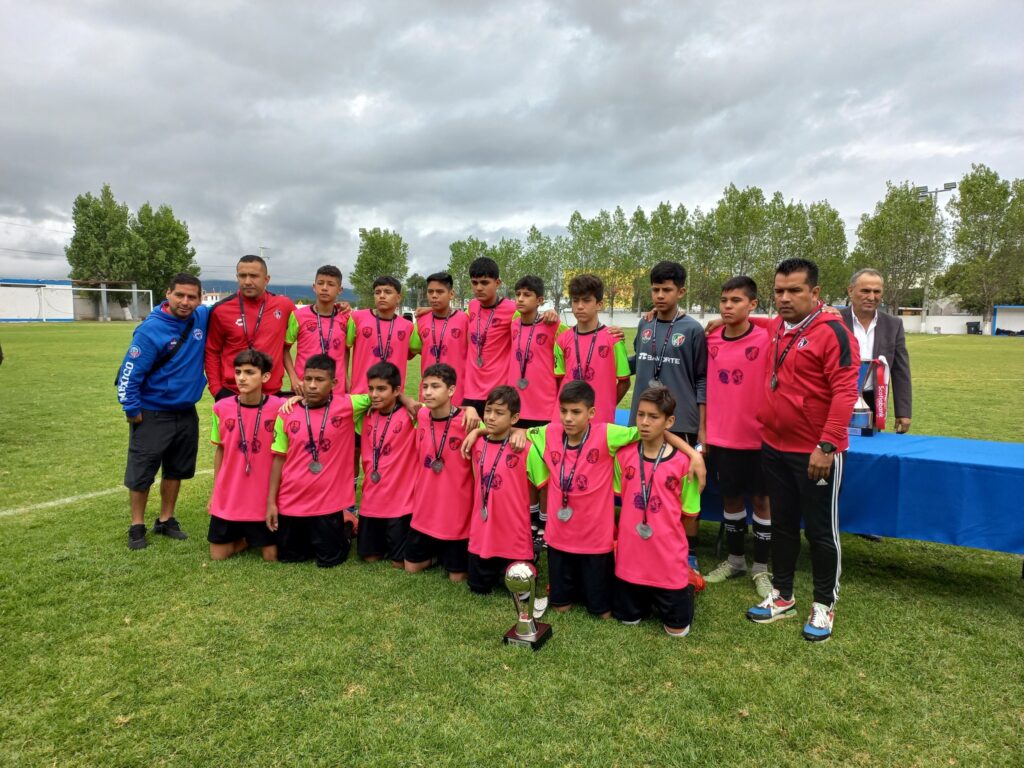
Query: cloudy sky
293, 125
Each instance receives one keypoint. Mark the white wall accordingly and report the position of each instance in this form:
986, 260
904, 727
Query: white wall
1010, 319
35, 302
946, 324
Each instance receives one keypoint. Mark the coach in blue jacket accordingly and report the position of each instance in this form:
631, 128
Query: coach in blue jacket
158, 385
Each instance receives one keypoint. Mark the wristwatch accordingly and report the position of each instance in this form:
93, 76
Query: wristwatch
827, 447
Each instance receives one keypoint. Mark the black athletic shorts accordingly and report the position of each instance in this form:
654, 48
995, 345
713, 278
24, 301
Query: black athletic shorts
452, 554
583, 579
383, 537
224, 531
690, 438
635, 601
325, 538
486, 573
738, 472
164, 440
529, 423
478, 405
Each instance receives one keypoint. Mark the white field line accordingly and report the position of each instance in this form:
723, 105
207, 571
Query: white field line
74, 499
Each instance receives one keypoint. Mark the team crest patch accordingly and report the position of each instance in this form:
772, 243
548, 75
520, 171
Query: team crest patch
593, 455
134, 351
630, 473
511, 461
678, 339
366, 333
672, 484
238, 321
713, 351
336, 420
737, 376
647, 334
456, 333
277, 314
603, 351
556, 457
582, 483
294, 427
802, 343
454, 443
723, 376
401, 335
197, 334
310, 325
542, 338
229, 424
752, 353
497, 482
268, 425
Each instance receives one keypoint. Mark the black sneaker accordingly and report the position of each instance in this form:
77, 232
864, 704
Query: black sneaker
169, 528
137, 536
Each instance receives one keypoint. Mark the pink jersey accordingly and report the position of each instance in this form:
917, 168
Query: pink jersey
443, 500
602, 362
238, 495
506, 531
392, 439
659, 561
736, 376
304, 493
445, 340
587, 471
533, 358
374, 341
489, 344
315, 334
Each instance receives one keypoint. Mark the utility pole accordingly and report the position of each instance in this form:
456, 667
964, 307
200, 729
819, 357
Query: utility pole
922, 194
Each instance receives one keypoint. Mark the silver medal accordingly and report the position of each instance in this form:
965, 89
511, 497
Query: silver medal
248, 468
774, 382
437, 465
564, 514
316, 467
483, 512
480, 361
644, 530
523, 383
375, 476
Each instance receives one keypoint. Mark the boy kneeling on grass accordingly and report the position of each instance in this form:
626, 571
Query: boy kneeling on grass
243, 427
651, 566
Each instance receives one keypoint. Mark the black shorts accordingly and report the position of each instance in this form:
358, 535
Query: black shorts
690, 438
256, 534
477, 405
737, 471
486, 573
325, 538
164, 440
635, 601
383, 537
584, 579
529, 423
452, 554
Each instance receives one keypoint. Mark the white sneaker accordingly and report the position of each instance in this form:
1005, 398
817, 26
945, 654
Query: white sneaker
683, 633
539, 606
819, 624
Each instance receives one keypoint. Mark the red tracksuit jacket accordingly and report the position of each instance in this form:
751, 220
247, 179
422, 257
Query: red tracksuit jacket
225, 338
817, 386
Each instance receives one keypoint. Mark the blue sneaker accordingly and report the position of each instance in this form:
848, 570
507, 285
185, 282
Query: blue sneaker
818, 628
772, 608
692, 560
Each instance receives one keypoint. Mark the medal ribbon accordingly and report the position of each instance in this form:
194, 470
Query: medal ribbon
582, 369
485, 485
251, 343
243, 444
378, 449
314, 447
526, 354
325, 346
660, 360
645, 487
777, 362
881, 393
444, 435
384, 349
481, 338
438, 340
566, 485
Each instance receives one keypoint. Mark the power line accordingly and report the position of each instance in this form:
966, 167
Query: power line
36, 226
34, 253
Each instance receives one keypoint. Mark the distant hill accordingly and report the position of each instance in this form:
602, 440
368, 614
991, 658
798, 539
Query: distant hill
293, 292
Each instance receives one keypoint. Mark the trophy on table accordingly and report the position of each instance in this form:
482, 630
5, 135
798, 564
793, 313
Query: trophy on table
521, 580
872, 382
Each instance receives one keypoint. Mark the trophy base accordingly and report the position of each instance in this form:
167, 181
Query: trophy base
860, 431
534, 641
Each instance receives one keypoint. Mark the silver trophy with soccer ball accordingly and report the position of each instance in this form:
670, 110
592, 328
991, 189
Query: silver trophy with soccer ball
521, 580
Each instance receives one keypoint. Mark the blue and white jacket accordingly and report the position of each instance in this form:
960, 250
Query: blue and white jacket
179, 383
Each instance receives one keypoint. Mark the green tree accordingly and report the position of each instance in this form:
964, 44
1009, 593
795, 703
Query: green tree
827, 247
988, 241
381, 252
543, 256
415, 289
904, 239
508, 254
462, 253
110, 243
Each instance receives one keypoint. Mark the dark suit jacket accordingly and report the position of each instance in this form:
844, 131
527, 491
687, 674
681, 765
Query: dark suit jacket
891, 343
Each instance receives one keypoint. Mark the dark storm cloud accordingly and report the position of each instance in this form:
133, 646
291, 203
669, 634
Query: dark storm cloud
293, 128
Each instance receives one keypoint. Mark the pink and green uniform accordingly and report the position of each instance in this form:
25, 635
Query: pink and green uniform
506, 531
236, 495
442, 501
315, 334
591, 467
445, 340
394, 440
534, 344
373, 341
602, 362
302, 492
661, 560
737, 369
490, 339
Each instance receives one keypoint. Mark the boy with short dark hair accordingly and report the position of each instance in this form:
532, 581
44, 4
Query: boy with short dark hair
443, 331
243, 428
318, 329
311, 479
651, 567
738, 354
381, 335
388, 453
443, 483
499, 531
531, 367
579, 454
490, 334
589, 352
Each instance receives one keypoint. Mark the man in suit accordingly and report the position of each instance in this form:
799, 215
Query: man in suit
880, 335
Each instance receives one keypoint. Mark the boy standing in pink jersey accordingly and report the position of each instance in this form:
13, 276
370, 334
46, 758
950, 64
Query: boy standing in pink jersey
311, 480
318, 329
738, 354
651, 567
443, 331
243, 428
381, 335
589, 352
443, 481
388, 454
490, 334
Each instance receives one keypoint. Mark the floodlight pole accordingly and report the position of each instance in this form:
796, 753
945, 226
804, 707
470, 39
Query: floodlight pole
922, 193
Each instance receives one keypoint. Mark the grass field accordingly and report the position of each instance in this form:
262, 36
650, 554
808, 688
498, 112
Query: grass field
161, 657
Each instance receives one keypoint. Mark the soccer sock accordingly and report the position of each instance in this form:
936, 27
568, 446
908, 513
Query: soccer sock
535, 517
762, 541
735, 535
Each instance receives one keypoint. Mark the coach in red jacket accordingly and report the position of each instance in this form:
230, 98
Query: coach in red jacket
253, 318
809, 396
